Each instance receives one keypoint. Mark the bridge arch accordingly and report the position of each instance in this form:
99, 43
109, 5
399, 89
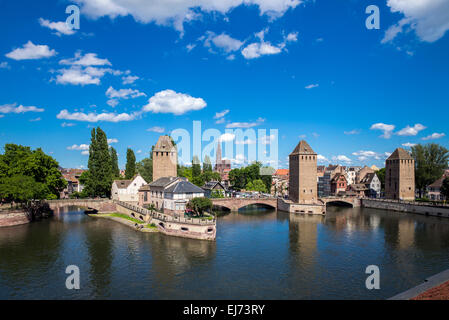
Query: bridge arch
340, 203
258, 204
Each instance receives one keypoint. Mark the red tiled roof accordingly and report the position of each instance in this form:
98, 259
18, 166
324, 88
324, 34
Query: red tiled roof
281, 172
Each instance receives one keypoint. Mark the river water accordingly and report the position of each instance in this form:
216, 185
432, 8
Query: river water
258, 254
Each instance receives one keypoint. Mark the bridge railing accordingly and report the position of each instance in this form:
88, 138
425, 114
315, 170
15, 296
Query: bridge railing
415, 203
163, 216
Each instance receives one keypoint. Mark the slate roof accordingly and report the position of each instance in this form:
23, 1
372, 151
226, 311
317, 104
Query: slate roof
211, 184
184, 186
303, 148
368, 178
122, 184
358, 187
162, 182
401, 154
337, 176
438, 183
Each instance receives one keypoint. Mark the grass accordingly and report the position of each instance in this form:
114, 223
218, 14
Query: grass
151, 226
124, 216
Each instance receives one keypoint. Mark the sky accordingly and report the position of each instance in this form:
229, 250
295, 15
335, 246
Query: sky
309, 69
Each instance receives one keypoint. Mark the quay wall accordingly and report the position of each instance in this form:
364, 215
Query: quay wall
405, 206
289, 206
13, 218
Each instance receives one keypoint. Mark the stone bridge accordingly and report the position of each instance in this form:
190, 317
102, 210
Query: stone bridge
102, 205
234, 204
349, 201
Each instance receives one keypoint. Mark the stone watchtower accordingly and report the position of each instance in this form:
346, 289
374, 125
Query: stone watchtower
400, 176
303, 174
165, 158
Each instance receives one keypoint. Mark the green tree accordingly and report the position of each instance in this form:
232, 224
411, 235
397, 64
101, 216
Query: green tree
430, 161
216, 194
185, 172
381, 175
256, 185
19, 161
445, 188
114, 163
207, 164
20, 188
100, 169
200, 205
197, 178
130, 164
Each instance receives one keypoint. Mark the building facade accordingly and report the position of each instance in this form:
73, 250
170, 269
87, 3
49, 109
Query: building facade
338, 184
165, 158
222, 166
303, 174
73, 185
372, 183
127, 190
400, 176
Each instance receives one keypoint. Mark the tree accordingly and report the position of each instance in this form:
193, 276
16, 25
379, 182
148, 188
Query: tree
207, 165
381, 175
430, 161
185, 172
114, 163
20, 188
256, 185
200, 205
18, 163
445, 188
130, 164
99, 179
197, 179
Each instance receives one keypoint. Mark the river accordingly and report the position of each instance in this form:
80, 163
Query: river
258, 254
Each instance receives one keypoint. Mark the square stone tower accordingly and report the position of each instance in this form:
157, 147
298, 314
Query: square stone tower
165, 158
400, 176
303, 174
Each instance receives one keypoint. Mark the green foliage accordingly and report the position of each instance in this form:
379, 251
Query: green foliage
145, 169
185, 172
381, 175
445, 188
207, 176
38, 172
130, 170
99, 179
256, 185
207, 165
217, 194
114, 163
430, 161
196, 167
241, 177
124, 216
200, 205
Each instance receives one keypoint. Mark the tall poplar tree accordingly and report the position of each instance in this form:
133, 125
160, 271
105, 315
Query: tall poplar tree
100, 168
130, 164
114, 163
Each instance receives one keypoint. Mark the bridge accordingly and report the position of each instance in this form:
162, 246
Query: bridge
234, 204
345, 201
102, 205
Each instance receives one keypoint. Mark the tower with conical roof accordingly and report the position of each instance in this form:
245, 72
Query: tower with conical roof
218, 157
165, 158
400, 176
303, 174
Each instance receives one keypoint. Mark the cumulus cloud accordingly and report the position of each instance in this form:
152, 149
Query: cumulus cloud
322, 159
428, 18
341, 158
78, 147
245, 125
411, 131
31, 51
434, 136
365, 155
88, 59
408, 144
94, 117
12, 108
258, 49
77, 75
387, 129
222, 41
156, 129
67, 124
227, 137
352, 132
219, 115
129, 79
169, 101
113, 140
60, 27
176, 12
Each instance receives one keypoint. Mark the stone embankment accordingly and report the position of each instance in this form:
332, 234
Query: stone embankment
12, 218
408, 206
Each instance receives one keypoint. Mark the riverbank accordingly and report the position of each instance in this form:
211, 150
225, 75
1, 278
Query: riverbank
422, 208
13, 218
433, 288
126, 220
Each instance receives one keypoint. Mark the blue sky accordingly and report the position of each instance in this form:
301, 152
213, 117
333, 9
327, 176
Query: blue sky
310, 69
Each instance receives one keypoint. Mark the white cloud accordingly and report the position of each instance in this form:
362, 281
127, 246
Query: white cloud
124, 93
176, 12
129, 79
66, 124
60, 27
428, 18
112, 102
219, 115
78, 75
245, 124
89, 59
434, 136
169, 101
222, 41
408, 144
11, 108
94, 117
190, 47
292, 37
85, 152
341, 158
156, 129
411, 131
35, 119
227, 137
311, 86
322, 159
78, 147
30, 51
386, 128
352, 132
246, 142
258, 49
4, 65
113, 140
